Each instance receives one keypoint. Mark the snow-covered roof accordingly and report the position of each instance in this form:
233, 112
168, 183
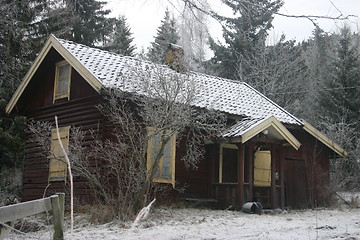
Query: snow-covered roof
229, 96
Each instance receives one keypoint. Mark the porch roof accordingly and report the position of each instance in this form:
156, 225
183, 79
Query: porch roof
267, 127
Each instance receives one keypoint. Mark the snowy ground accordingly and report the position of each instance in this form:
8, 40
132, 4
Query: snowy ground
204, 224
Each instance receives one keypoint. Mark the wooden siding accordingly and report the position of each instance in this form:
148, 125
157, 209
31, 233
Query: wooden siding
81, 112
193, 181
40, 90
315, 157
37, 103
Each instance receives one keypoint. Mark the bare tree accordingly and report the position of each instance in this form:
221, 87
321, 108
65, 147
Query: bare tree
115, 161
194, 34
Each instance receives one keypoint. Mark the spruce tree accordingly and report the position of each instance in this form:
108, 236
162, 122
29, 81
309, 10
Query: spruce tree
340, 99
121, 39
243, 34
89, 23
166, 34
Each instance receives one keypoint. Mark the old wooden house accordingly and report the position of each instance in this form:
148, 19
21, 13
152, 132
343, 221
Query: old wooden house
266, 155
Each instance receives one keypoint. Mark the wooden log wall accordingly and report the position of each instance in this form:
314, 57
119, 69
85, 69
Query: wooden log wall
80, 112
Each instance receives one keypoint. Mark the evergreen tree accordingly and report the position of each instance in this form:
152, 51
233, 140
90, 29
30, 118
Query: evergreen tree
88, 23
340, 105
317, 51
121, 40
166, 34
15, 53
243, 34
340, 101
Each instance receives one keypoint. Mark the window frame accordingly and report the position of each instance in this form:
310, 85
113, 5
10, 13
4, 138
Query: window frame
57, 164
222, 146
149, 153
57, 95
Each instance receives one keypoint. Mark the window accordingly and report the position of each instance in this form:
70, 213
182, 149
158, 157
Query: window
62, 80
262, 168
57, 165
228, 166
161, 164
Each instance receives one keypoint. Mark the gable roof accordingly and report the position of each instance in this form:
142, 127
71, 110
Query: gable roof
248, 128
102, 69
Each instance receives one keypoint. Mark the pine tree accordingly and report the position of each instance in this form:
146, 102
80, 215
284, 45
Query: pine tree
121, 40
166, 34
242, 34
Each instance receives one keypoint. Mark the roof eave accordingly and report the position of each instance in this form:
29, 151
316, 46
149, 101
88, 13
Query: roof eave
324, 139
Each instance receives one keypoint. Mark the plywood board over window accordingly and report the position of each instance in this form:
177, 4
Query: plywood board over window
62, 80
161, 155
262, 168
57, 164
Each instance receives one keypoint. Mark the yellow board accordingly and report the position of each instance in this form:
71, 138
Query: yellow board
57, 165
262, 168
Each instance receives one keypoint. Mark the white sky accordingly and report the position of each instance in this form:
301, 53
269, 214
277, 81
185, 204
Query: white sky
144, 17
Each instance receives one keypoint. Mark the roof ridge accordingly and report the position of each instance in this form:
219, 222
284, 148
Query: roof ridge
228, 95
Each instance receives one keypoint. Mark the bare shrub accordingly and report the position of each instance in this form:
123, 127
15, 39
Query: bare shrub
100, 214
344, 171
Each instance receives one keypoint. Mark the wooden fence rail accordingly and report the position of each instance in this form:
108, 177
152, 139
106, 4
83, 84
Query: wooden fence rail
53, 204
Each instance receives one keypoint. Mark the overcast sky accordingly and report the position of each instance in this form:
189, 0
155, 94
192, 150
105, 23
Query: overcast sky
144, 17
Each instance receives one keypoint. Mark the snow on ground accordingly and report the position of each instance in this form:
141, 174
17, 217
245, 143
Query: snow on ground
205, 224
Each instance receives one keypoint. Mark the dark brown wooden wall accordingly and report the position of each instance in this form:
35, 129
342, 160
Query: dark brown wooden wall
195, 182
314, 156
37, 103
80, 112
40, 90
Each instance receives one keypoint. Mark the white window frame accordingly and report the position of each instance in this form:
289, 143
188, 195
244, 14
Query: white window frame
57, 74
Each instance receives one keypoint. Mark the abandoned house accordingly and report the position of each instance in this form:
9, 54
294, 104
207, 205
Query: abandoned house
266, 155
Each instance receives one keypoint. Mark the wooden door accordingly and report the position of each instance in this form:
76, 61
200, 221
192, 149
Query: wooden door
296, 187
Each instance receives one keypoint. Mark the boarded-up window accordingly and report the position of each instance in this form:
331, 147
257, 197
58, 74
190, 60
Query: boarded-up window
228, 167
262, 168
57, 165
161, 155
62, 80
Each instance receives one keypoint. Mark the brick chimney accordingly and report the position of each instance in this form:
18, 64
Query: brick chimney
175, 58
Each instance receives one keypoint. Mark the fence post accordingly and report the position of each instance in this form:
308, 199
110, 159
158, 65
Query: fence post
58, 217
62, 207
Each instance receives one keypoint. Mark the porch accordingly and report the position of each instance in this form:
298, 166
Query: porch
237, 178
249, 164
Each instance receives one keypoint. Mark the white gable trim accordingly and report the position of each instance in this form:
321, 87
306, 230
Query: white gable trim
52, 42
324, 139
279, 127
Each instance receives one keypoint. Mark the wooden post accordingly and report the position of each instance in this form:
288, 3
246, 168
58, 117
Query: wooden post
282, 185
62, 206
240, 188
273, 180
58, 223
250, 157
